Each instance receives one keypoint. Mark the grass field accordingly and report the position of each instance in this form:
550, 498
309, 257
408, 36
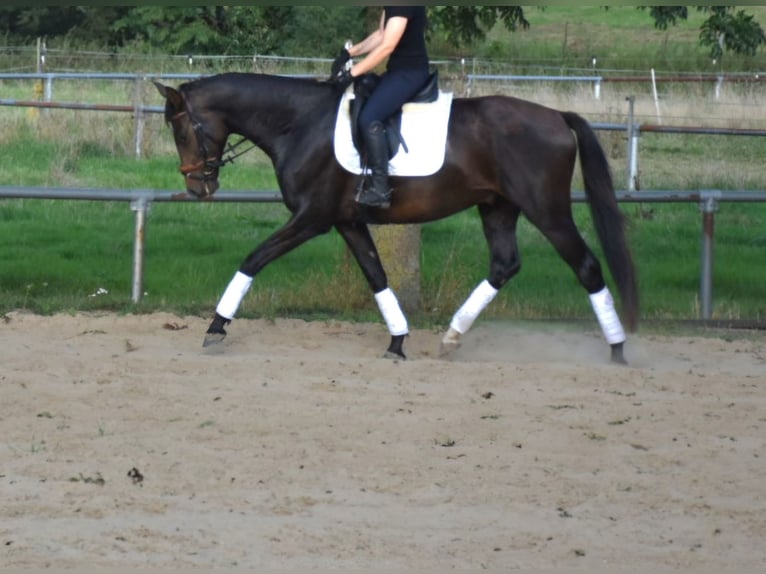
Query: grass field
620, 38
59, 255
65, 256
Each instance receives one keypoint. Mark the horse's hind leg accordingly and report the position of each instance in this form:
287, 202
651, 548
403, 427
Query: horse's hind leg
359, 241
499, 224
565, 237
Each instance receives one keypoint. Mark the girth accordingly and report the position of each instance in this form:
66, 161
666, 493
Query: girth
363, 88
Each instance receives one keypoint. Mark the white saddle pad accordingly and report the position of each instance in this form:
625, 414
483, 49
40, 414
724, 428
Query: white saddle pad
424, 130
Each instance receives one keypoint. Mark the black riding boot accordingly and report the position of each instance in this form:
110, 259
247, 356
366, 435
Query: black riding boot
374, 190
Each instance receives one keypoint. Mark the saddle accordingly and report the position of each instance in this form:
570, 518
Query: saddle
364, 87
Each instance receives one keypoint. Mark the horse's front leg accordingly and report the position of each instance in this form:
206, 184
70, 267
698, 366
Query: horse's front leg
357, 237
293, 234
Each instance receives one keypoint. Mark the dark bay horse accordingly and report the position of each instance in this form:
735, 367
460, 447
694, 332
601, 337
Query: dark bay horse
505, 156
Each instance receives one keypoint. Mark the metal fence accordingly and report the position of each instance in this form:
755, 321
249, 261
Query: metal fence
140, 201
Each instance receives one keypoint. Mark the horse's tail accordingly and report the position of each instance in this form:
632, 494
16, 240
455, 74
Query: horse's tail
607, 217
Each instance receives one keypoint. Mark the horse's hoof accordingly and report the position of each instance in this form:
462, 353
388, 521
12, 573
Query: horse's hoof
396, 348
618, 358
213, 339
394, 356
445, 350
450, 343
216, 332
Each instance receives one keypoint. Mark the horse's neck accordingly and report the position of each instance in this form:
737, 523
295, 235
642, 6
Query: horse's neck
273, 112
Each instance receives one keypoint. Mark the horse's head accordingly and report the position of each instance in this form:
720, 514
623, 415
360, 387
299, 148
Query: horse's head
199, 146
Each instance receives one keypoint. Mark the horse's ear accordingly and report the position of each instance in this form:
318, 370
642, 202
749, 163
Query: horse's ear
162, 89
172, 95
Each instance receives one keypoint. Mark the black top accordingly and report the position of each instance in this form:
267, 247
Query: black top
411, 51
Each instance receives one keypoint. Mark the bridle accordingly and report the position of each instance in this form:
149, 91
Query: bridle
206, 169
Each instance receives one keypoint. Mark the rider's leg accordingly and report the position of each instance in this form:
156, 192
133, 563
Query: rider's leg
376, 192
393, 90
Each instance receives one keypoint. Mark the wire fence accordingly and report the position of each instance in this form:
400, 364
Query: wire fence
139, 110
140, 203
29, 59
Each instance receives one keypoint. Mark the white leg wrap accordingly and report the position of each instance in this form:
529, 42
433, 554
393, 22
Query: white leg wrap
233, 295
392, 312
603, 305
472, 308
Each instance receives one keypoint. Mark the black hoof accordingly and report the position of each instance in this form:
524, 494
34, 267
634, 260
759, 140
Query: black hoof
617, 355
395, 348
213, 339
216, 333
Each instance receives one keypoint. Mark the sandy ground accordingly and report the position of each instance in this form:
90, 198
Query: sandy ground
126, 444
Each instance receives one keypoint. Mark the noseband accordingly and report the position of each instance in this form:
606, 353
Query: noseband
206, 169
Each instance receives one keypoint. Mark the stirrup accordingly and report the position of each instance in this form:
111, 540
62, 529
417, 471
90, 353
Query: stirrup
367, 196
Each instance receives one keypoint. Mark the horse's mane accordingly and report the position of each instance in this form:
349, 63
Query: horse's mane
262, 106
297, 91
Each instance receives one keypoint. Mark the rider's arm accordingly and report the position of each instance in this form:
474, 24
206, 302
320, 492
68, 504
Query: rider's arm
370, 42
390, 36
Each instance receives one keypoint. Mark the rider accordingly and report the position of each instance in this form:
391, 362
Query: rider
400, 37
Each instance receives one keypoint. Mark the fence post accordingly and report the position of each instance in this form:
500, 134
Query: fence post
49, 88
718, 85
399, 251
633, 134
656, 97
140, 206
708, 206
138, 117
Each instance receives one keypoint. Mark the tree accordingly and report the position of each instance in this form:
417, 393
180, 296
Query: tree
25, 23
187, 29
466, 24
321, 31
241, 29
735, 31
726, 28
312, 29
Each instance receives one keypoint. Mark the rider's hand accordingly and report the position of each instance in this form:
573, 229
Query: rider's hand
342, 78
340, 63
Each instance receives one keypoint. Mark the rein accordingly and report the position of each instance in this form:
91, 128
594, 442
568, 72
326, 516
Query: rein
230, 149
213, 163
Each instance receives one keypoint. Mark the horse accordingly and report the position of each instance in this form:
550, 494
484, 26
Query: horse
504, 155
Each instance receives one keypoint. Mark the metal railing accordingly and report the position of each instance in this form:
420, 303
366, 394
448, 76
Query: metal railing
140, 202
141, 199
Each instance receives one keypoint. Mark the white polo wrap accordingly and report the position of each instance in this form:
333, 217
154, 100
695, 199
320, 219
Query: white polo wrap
603, 305
233, 295
472, 308
392, 312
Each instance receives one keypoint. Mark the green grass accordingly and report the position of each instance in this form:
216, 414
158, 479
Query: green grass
59, 254
621, 38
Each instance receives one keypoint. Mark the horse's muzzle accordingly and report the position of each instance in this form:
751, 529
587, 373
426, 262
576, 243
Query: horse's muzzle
201, 178
202, 188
